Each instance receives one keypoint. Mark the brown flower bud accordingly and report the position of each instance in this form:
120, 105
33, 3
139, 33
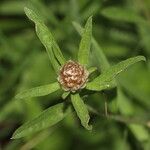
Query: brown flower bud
73, 76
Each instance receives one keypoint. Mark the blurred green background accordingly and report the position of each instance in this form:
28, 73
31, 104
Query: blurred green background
122, 29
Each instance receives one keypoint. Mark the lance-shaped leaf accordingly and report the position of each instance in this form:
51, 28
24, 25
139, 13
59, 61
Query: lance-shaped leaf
97, 53
47, 39
98, 87
81, 110
46, 119
85, 44
39, 91
103, 81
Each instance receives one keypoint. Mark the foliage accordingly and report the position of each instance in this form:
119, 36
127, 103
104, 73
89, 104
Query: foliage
31, 98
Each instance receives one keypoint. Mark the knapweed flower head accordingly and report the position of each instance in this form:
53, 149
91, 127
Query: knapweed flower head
72, 77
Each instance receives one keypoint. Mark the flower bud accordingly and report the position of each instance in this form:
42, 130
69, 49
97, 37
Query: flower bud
73, 76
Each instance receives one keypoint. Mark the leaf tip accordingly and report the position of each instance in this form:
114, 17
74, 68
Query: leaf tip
89, 127
142, 58
30, 14
90, 19
26, 10
17, 96
14, 136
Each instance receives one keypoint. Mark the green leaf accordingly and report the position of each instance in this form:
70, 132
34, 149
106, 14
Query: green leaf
47, 39
103, 81
46, 13
122, 14
81, 110
97, 87
97, 51
85, 44
46, 119
39, 91
98, 54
